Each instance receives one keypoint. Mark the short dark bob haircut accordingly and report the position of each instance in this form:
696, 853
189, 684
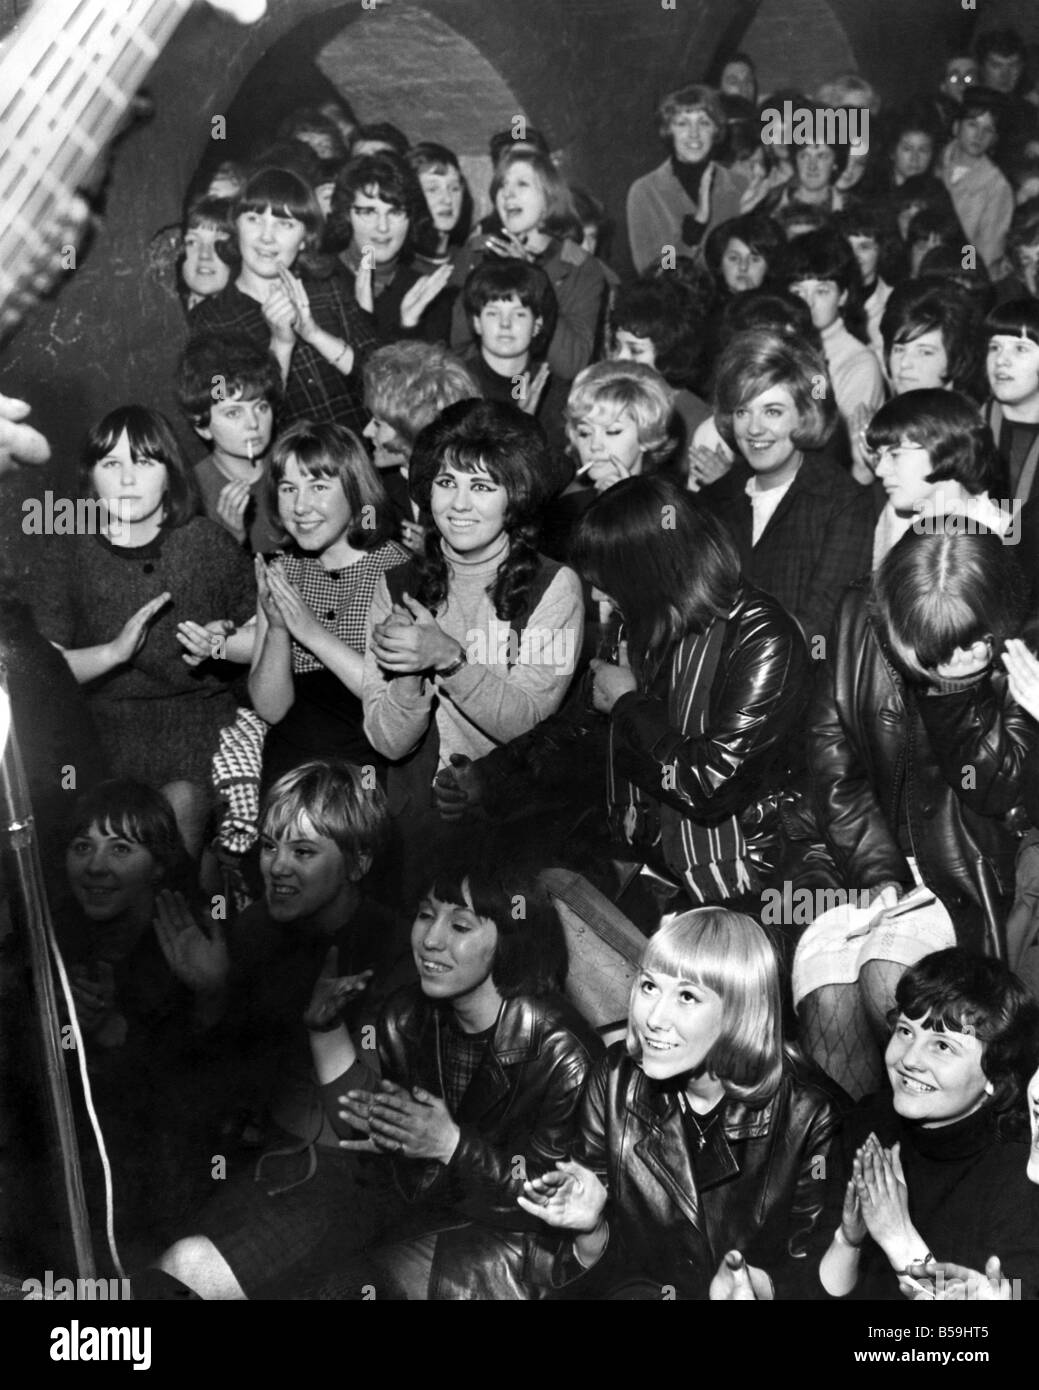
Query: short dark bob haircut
756, 230
941, 589
531, 956
947, 425
332, 451
1017, 318
956, 991
924, 306
668, 565
150, 436
495, 279
758, 360
663, 310
235, 363
136, 812
287, 195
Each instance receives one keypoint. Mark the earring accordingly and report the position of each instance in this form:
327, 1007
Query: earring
990, 1090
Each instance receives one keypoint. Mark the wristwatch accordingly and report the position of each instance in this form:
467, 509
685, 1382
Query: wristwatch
460, 660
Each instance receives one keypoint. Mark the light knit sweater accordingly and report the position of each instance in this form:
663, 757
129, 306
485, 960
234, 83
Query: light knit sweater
854, 371
487, 702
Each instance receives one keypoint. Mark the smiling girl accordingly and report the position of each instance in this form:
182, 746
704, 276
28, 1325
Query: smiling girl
309, 322
700, 1136
475, 642
126, 608
936, 1168
537, 217
308, 660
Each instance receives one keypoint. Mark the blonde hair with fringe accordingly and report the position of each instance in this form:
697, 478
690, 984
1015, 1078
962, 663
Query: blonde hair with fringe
727, 952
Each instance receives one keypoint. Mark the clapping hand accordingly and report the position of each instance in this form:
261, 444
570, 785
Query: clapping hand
738, 1282
304, 322
503, 243
884, 1200
1022, 669
332, 992
296, 614
457, 788
568, 1196
134, 632
421, 295
198, 960
279, 309
411, 1124
704, 466
406, 648
942, 1282
203, 642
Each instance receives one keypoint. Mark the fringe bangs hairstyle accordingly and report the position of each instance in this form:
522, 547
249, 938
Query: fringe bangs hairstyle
246, 373
287, 195
664, 311
1017, 318
332, 451
408, 384
940, 590
730, 954
632, 388
826, 255
667, 564
924, 306
695, 97
135, 812
150, 436
390, 179
332, 798
955, 991
531, 956
758, 360
560, 219
498, 438
946, 424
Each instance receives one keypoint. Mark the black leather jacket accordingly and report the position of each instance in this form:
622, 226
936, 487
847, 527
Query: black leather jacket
756, 701
516, 1119
901, 769
762, 1188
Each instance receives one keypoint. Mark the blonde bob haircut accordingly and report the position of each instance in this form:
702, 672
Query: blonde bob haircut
757, 360
627, 386
730, 954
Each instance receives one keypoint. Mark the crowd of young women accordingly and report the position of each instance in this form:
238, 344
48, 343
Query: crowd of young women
749, 612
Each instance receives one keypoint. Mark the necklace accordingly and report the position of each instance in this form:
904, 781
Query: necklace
690, 1113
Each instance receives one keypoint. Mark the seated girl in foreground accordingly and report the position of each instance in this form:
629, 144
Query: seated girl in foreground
702, 1139
938, 1165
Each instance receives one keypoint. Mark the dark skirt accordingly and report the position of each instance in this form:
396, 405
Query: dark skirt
325, 721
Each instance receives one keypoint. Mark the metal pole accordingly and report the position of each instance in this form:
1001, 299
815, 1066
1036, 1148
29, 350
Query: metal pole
18, 825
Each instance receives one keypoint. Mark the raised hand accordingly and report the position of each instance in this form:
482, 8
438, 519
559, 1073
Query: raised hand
198, 960
203, 642
531, 398
853, 1224
738, 1282
569, 1196
231, 507
704, 466
332, 991
1022, 675
458, 788
19, 443
305, 324
134, 632
503, 243
884, 1201
282, 317
296, 613
413, 1124
421, 295
413, 536
268, 603
364, 292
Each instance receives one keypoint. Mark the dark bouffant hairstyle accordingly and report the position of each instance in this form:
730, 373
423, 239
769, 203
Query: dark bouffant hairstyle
229, 364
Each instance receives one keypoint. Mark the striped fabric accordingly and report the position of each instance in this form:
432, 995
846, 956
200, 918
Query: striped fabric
711, 860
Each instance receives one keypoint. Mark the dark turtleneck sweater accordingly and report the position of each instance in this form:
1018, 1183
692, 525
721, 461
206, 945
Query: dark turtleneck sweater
969, 1196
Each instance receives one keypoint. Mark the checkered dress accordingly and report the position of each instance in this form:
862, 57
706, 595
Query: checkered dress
339, 599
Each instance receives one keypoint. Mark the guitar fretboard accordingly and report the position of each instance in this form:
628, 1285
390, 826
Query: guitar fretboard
66, 77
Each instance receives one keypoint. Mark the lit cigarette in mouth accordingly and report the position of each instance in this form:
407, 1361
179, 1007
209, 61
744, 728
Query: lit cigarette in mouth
249, 446
584, 469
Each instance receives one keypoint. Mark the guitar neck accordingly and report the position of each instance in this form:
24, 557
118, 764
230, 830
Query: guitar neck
69, 72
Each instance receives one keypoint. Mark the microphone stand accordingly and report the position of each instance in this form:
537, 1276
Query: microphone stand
27, 887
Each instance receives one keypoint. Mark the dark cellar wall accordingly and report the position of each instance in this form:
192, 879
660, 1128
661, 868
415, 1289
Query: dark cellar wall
589, 71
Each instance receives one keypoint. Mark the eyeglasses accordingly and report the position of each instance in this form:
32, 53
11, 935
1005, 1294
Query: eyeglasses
369, 216
893, 451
